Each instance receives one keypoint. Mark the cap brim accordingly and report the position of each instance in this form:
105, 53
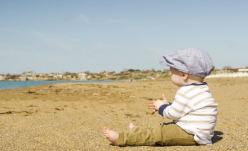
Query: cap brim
163, 62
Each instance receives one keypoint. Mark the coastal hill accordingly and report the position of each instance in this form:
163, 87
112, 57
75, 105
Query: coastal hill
105, 75
129, 74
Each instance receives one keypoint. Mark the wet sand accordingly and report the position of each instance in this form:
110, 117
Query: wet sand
72, 116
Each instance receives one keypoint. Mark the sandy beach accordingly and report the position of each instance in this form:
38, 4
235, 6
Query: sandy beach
72, 116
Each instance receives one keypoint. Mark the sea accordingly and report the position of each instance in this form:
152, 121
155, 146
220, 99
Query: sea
5, 85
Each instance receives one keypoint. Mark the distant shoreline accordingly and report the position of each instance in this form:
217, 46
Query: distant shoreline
6, 85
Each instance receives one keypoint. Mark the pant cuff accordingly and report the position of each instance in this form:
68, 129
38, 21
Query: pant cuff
121, 139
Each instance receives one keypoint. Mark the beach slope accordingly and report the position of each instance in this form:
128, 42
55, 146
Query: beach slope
72, 116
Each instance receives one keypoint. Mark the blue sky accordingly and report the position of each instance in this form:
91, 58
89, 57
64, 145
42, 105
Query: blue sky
113, 35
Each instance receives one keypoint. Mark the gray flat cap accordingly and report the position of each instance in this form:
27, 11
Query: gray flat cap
192, 60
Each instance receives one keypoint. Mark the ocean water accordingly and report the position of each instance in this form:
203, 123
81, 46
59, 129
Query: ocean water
4, 85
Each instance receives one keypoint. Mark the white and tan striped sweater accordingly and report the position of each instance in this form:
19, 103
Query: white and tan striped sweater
195, 111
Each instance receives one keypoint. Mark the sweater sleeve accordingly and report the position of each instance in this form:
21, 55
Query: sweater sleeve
162, 108
179, 108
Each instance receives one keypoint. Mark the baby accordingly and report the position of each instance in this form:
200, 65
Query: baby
193, 111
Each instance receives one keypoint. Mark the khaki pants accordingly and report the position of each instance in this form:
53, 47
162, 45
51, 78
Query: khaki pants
163, 135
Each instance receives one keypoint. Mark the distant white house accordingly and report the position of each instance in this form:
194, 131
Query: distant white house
22, 78
55, 76
59, 75
242, 70
230, 73
2, 77
27, 76
82, 76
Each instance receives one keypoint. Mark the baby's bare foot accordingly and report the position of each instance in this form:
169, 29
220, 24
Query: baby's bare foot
131, 125
112, 136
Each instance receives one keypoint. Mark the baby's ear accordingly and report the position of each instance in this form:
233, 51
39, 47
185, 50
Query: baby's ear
184, 75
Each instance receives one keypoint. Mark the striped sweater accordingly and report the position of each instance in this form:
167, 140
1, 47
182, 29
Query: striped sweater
194, 110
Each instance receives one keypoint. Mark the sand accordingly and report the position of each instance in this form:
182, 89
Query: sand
72, 116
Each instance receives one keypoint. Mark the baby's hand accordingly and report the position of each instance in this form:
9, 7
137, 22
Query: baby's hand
157, 104
151, 106
164, 99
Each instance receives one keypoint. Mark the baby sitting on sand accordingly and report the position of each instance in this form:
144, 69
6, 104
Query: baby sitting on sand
193, 111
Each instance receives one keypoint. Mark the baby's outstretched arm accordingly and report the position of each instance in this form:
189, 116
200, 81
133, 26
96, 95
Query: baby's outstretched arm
155, 105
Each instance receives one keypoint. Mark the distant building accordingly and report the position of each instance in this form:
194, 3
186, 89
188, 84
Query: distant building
89, 77
59, 76
82, 76
242, 70
237, 70
2, 77
104, 74
41, 77
229, 73
55, 76
22, 78
27, 76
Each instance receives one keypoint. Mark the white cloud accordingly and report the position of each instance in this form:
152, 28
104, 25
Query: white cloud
84, 18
